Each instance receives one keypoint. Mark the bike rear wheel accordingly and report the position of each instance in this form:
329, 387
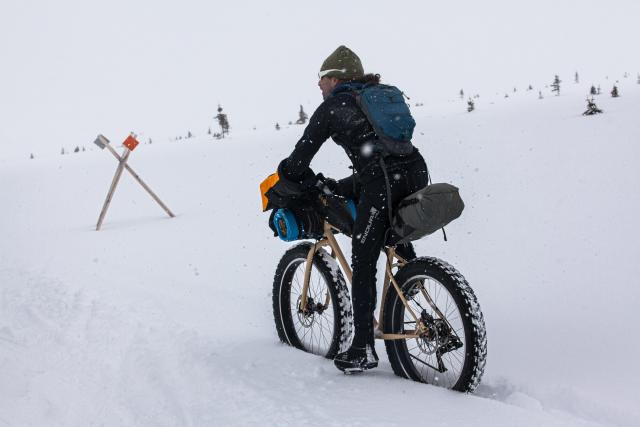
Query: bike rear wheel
325, 325
452, 346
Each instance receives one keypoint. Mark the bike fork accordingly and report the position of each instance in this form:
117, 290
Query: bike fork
307, 277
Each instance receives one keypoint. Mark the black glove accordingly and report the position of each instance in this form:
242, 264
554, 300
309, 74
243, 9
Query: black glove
294, 185
312, 182
331, 184
288, 193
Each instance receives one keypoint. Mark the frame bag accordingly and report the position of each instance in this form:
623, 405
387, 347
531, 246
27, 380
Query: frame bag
425, 211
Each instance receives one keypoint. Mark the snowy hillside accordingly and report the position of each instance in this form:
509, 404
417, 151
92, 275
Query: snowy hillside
167, 322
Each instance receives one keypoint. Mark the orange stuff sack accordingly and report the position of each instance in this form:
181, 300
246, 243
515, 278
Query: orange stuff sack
265, 186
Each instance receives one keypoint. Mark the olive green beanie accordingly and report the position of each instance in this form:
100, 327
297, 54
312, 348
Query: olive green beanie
343, 64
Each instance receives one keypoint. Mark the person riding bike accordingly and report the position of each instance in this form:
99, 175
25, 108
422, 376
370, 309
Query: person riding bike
340, 117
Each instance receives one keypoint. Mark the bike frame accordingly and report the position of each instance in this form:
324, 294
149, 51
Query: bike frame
393, 261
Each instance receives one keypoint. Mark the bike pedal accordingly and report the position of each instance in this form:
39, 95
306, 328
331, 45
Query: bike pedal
359, 369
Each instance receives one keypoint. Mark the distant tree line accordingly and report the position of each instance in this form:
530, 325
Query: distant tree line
222, 119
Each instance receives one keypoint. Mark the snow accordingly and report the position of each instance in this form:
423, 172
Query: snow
156, 321
77, 68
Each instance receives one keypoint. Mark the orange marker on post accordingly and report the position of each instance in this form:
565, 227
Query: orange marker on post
130, 144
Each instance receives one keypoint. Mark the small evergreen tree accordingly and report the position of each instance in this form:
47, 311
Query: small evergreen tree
626, 74
540, 94
31, 156
83, 150
189, 134
555, 86
614, 91
577, 78
592, 108
77, 149
62, 151
277, 126
302, 117
530, 87
593, 90
461, 94
223, 121
639, 78
470, 105
150, 141
598, 89
209, 131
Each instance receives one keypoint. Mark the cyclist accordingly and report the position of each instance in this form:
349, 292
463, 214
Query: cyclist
340, 118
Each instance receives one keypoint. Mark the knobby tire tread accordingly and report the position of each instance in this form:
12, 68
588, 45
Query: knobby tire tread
340, 298
472, 319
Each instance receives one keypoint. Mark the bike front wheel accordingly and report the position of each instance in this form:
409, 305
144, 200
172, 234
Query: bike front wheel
325, 324
451, 347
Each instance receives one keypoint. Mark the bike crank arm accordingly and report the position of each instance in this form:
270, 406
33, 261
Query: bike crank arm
406, 336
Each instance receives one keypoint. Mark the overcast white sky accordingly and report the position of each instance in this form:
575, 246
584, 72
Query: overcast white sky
73, 69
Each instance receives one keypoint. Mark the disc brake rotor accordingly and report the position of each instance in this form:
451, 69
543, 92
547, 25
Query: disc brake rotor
307, 316
436, 336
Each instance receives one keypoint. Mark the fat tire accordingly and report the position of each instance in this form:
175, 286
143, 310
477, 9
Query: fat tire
471, 317
327, 267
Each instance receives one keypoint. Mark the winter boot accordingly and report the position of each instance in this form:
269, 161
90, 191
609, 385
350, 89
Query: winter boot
357, 359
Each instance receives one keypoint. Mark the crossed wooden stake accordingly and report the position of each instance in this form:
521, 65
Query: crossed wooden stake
129, 145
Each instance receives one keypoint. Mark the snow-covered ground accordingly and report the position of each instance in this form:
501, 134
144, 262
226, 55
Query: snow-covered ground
167, 322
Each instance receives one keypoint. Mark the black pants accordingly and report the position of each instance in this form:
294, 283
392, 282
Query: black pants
406, 176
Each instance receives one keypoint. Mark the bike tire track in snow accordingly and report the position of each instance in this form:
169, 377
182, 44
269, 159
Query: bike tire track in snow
75, 358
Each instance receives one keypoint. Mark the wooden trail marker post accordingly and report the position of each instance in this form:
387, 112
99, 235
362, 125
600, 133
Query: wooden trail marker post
130, 144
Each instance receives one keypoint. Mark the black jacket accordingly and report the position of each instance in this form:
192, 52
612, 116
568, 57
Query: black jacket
340, 118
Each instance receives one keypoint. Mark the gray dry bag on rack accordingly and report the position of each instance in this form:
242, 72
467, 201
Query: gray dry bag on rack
427, 210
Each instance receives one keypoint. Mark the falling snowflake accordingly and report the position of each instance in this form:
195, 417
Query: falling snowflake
367, 149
